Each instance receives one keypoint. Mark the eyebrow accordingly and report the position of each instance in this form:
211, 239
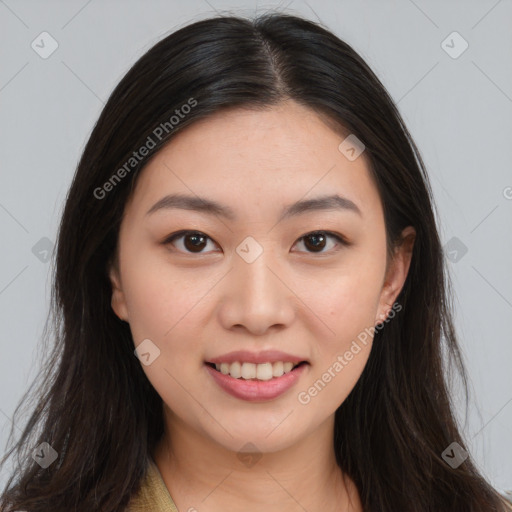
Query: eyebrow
208, 206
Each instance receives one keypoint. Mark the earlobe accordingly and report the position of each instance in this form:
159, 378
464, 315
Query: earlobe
396, 274
117, 302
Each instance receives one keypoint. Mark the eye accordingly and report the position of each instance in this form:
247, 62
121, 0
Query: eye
196, 241
193, 241
317, 241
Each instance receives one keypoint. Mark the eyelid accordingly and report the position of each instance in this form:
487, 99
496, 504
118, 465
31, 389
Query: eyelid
178, 234
340, 239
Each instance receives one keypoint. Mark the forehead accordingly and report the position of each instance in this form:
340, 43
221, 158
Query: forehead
255, 160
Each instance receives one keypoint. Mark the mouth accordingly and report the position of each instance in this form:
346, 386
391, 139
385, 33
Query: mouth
256, 371
256, 382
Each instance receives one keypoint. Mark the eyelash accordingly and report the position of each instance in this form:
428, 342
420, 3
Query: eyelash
180, 234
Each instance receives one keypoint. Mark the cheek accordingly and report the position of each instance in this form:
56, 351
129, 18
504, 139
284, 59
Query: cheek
161, 300
164, 306
349, 303
340, 358
352, 312
349, 298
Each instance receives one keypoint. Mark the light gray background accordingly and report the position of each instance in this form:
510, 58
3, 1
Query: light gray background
458, 111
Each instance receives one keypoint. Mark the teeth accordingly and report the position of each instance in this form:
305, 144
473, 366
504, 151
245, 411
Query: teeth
277, 369
235, 370
263, 371
248, 371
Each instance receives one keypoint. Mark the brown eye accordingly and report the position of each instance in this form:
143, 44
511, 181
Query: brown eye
189, 241
318, 241
194, 242
315, 242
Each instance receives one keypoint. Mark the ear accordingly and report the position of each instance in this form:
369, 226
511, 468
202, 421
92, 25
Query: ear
118, 301
396, 273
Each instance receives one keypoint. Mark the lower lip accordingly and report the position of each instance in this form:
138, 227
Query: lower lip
257, 390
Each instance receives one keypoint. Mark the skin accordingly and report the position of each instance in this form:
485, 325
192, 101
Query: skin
195, 306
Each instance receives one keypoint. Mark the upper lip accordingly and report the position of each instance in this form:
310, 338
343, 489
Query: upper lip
265, 356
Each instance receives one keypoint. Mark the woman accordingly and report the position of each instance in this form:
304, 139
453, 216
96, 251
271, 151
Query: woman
250, 296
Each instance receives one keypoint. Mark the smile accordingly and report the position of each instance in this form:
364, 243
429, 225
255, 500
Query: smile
256, 382
262, 371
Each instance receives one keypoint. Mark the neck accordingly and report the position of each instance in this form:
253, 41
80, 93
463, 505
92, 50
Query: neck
203, 475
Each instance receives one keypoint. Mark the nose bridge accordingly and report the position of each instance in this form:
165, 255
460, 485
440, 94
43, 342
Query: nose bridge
252, 266
255, 296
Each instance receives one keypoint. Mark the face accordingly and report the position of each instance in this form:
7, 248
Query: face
252, 282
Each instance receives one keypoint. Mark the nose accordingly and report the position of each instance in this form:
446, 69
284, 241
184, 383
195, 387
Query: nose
256, 296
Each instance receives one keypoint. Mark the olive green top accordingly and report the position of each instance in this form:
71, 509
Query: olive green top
153, 495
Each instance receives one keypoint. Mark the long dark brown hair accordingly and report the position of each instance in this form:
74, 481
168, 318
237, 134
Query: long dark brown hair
93, 403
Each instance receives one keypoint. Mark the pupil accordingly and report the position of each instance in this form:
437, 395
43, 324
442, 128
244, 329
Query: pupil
316, 239
196, 241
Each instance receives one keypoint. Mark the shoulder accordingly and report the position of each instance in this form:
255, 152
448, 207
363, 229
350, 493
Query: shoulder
153, 495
